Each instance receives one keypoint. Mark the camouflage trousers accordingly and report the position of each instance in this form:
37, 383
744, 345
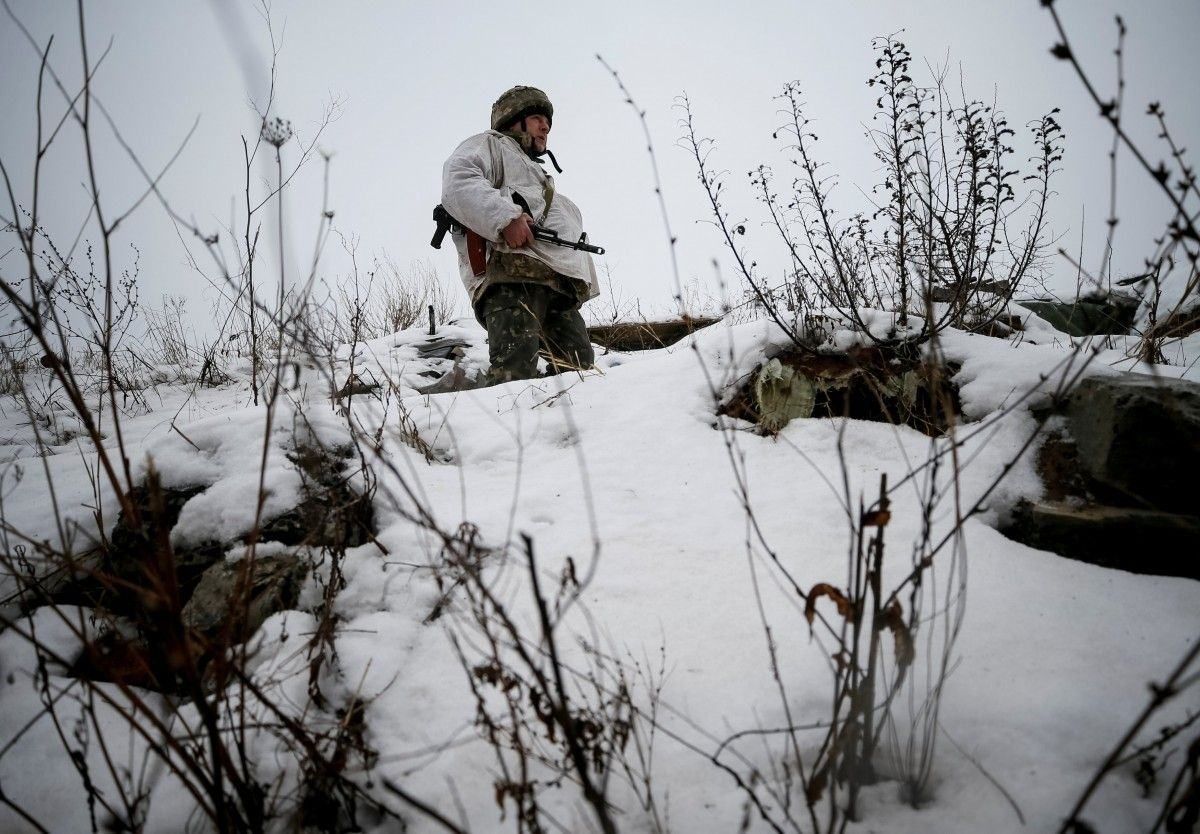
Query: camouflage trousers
523, 318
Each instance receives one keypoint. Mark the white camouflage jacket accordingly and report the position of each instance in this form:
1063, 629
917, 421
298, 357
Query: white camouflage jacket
478, 181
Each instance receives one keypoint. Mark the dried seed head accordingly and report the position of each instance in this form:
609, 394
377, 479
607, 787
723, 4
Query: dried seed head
276, 131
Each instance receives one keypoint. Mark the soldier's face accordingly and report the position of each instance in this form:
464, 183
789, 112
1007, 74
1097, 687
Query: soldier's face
538, 128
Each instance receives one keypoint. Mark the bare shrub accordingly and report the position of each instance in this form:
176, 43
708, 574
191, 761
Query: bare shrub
401, 297
545, 721
169, 339
190, 705
886, 646
948, 243
16, 361
1169, 285
377, 302
949, 240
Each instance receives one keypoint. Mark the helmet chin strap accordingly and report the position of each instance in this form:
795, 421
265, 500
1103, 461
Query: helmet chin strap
553, 161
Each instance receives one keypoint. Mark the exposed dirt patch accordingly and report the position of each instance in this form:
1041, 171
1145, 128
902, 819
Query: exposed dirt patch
154, 589
864, 383
126, 659
332, 514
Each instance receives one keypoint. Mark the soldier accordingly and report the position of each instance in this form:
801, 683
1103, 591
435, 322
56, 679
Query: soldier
526, 292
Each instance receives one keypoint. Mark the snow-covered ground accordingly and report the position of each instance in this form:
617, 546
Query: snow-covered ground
627, 472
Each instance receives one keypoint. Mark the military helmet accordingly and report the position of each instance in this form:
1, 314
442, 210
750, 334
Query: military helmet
518, 103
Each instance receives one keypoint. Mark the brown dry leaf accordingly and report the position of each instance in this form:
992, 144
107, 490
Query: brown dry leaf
876, 518
823, 589
893, 621
816, 786
842, 659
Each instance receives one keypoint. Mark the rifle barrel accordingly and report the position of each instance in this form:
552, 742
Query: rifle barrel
551, 236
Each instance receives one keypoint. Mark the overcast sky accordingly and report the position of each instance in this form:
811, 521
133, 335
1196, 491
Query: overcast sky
411, 80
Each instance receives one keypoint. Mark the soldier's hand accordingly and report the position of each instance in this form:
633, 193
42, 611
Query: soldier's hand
518, 233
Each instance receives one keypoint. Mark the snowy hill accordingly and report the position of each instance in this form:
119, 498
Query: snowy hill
670, 544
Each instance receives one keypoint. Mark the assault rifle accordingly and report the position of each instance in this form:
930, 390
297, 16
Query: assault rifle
445, 222
551, 236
